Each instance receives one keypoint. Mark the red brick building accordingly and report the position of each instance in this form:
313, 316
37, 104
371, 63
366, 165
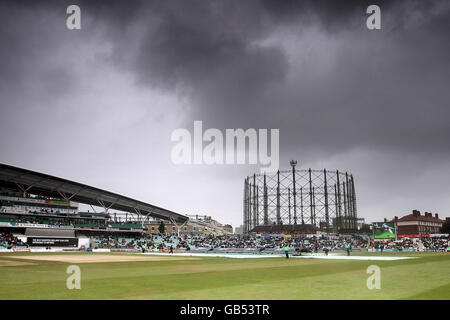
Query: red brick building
417, 225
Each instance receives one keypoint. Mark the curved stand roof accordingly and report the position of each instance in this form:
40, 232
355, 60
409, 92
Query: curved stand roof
50, 186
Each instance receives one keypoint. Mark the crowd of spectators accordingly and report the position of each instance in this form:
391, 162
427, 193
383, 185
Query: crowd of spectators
63, 222
39, 220
297, 243
8, 240
149, 242
436, 244
114, 241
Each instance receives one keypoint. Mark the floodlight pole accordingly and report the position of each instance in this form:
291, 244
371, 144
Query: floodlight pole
311, 205
293, 164
327, 219
278, 198
265, 197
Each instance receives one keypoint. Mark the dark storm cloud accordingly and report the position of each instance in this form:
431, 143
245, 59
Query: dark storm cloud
192, 42
385, 89
310, 68
30, 36
215, 51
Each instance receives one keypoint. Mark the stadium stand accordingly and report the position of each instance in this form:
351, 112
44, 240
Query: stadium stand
43, 210
23, 218
44, 220
273, 244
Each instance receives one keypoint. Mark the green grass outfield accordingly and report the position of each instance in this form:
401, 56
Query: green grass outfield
223, 278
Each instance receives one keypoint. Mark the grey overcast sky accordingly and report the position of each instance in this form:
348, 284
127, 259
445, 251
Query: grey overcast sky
98, 105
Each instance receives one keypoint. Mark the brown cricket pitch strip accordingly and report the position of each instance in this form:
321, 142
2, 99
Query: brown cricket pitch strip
87, 258
7, 263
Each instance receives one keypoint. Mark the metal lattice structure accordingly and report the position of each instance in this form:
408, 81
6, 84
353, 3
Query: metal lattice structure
325, 199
